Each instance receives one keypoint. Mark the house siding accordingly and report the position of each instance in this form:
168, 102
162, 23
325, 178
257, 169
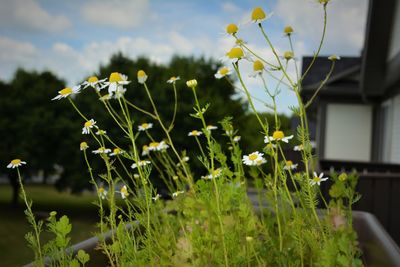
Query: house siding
394, 47
348, 132
395, 137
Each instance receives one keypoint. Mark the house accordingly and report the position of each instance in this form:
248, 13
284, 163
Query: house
357, 114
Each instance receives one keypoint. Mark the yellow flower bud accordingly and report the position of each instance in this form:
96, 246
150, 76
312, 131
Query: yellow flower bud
288, 30
191, 83
288, 55
235, 53
258, 14
232, 28
258, 65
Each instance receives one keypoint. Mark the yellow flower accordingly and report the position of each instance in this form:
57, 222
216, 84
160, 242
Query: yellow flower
173, 79
64, 93
141, 76
145, 126
117, 151
254, 159
258, 68
191, 83
232, 28
195, 133
317, 179
288, 30
334, 58
94, 82
116, 83
290, 165
102, 192
258, 15
288, 55
15, 163
124, 192
277, 136
235, 53
222, 72
83, 146
88, 125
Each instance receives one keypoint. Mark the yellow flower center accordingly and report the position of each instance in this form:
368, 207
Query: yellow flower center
92, 79
288, 30
289, 163
253, 157
258, 65
316, 179
65, 91
15, 162
235, 52
258, 14
88, 124
83, 145
115, 77
223, 71
154, 144
117, 150
141, 74
269, 146
173, 78
124, 191
288, 55
101, 190
216, 172
145, 125
278, 135
195, 132
232, 28
191, 83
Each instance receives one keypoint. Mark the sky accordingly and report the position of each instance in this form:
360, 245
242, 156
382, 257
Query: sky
72, 38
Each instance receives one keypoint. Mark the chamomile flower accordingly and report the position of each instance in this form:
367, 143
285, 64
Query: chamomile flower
141, 163
258, 15
88, 125
211, 127
101, 132
214, 174
173, 79
258, 68
157, 197
317, 179
235, 54
117, 151
64, 93
83, 146
195, 133
145, 150
254, 159
153, 146
120, 92
101, 150
191, 83
177, 193
185, 159
141, 76
288, 30
124, 192
222, 72
231, 29
94, 82
102, 192
15, 163
298, 147
334, 58
145, 126
278, 136
288, 55
290, 165
116, 81
162, 146
237, 138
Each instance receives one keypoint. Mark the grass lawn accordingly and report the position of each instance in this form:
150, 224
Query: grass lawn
13, 225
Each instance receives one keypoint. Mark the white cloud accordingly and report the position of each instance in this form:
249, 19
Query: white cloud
229, 7
116, 13
29, 15
346, 23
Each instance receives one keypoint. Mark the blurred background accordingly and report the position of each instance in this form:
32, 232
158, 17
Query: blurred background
48, 45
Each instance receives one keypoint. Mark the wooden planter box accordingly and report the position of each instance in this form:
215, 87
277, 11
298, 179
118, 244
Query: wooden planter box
378, 247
